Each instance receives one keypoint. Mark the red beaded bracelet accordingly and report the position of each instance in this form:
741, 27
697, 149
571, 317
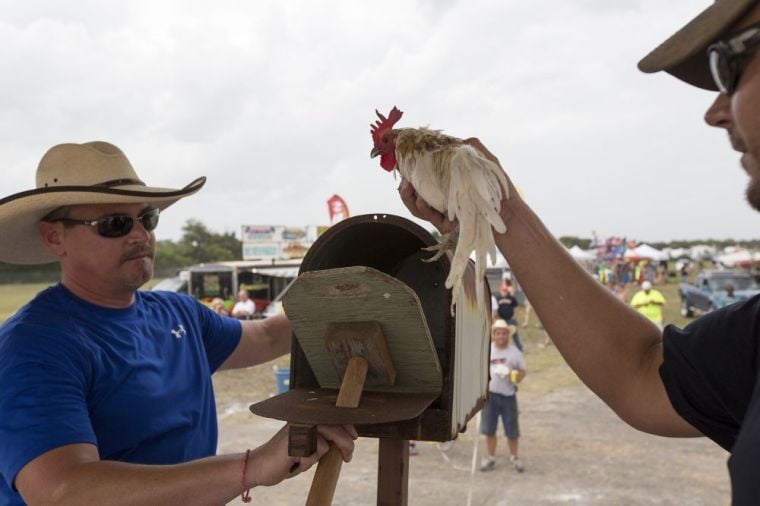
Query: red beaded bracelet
245, 493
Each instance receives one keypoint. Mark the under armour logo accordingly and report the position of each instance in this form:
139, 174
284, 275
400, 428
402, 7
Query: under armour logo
180, 332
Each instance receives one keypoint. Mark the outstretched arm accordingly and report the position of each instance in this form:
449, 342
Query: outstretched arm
74, 474
612, 349
260, 341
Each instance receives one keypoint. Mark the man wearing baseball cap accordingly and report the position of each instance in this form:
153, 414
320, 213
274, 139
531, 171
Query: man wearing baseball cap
106, 393
678, 382
649, 302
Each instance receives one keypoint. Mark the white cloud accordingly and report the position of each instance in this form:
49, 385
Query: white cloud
273, 101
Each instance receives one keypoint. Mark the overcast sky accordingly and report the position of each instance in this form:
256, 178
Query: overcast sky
272, 100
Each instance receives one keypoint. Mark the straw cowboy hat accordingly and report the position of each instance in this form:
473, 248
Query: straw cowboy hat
684, 54
501, 324
72, 174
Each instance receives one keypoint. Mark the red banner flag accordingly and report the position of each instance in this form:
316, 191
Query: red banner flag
337, 208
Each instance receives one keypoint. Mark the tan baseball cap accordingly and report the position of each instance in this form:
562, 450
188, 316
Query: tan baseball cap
684, 54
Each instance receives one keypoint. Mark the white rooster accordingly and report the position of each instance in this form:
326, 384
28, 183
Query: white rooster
456, 180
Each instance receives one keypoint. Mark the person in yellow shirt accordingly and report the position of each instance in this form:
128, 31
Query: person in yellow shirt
649, 301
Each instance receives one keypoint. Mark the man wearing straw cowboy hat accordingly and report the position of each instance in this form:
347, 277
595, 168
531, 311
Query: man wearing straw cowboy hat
106, 391
684, 383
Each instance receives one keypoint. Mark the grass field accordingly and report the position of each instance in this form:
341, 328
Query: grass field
547, 368
13, 296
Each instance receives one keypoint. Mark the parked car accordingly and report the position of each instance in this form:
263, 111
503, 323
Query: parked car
709, 289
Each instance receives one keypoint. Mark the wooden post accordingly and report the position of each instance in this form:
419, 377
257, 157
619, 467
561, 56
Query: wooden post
393, 472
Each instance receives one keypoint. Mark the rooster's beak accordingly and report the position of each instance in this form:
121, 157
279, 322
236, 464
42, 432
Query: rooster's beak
375, 152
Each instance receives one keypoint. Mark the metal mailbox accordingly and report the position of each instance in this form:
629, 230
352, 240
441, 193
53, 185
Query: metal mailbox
393, 245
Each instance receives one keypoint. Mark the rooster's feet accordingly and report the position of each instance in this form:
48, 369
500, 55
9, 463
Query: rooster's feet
447, 243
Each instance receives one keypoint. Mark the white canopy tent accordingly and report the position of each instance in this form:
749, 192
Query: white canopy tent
582, 255
738, 258
501, 262
645, 252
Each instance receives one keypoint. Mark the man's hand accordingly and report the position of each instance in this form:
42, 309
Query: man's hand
420, 209
270, 463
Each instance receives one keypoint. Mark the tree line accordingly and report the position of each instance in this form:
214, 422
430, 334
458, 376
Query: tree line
199, 244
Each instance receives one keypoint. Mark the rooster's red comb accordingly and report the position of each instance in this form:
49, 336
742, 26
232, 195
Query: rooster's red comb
385, 123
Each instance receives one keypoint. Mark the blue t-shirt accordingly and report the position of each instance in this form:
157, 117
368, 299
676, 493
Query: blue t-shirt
135, 381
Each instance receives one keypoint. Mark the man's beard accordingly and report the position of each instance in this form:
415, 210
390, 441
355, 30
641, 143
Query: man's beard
753, 187
753, 193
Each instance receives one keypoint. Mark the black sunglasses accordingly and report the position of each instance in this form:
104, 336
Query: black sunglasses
728, 59
117, 225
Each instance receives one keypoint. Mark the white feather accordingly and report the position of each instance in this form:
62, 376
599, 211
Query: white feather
427, 182
470, 191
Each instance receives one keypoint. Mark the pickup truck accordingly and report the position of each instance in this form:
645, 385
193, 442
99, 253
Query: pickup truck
709, 289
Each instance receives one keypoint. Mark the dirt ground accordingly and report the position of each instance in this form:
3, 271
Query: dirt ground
574, 448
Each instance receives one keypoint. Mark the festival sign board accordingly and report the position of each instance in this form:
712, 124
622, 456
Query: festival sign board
278, 242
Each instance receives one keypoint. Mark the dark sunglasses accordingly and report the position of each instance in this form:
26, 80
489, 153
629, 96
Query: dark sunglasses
728, 59
117, 225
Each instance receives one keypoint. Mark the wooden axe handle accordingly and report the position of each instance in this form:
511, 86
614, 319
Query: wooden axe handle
326, 476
